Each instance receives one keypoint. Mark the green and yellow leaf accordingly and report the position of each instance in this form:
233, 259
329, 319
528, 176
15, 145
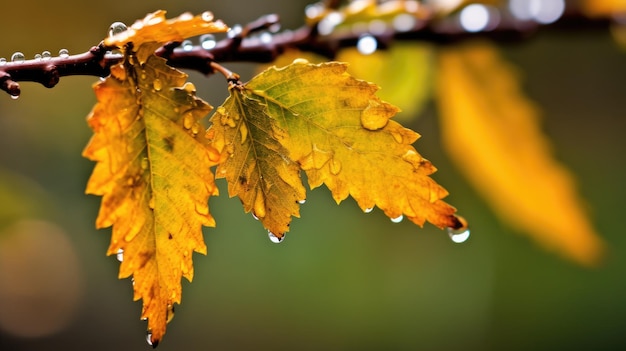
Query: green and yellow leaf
492, 132
153, 173
335, 128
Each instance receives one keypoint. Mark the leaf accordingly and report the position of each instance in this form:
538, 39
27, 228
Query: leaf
257, 167
153, 173
337, 131
491, 131
155, 30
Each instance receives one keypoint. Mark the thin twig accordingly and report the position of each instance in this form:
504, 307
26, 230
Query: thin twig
242, 45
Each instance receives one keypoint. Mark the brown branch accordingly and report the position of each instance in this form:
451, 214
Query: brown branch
242, 45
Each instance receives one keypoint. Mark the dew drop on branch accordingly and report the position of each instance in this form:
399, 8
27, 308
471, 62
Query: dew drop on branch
275, 239
3, 61
187, 45
207, 41
46, 55
64, 53
234, 31
38, 57
17, 57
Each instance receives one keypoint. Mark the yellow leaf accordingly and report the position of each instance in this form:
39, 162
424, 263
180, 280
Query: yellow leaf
603, 7
341, 135
257, 166
155, 30
153, 175
491, 131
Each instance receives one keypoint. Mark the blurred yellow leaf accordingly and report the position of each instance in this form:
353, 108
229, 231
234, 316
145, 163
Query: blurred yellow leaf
336, 129
603, 7
491, 131
153, 170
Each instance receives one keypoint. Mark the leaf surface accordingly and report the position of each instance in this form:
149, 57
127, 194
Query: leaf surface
492, 132
153, 173
337, 131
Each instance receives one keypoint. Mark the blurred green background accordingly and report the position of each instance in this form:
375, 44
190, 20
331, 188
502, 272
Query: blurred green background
342, 280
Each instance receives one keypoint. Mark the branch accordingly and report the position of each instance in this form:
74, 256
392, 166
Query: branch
242, 45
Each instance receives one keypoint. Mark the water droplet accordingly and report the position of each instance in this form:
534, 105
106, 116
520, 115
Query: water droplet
38, 57
195, 129
117, 28
3, 61
397, 219
367, 45
335, 166
255, 217
377, 27
459, 235
120, 255
275, 239
188, 120
157, 84
369, 210
234, 31
17, 57
64, 53
187, 16
187, 45
15, 97
207, 16
313, 11
259, 204
404, 22
301, 202
265, 38
207, 41
46, 55
170, 313
149, 339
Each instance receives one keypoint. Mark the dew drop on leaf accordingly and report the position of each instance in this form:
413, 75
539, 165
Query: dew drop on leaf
397, 219
207, 16
17, 57
275, 239
335, 166
459, 235
117, 28
154, 344
255, 217
207, 41
64, 53
369, 210
188, 120
120, 255
301, 202
157, 84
